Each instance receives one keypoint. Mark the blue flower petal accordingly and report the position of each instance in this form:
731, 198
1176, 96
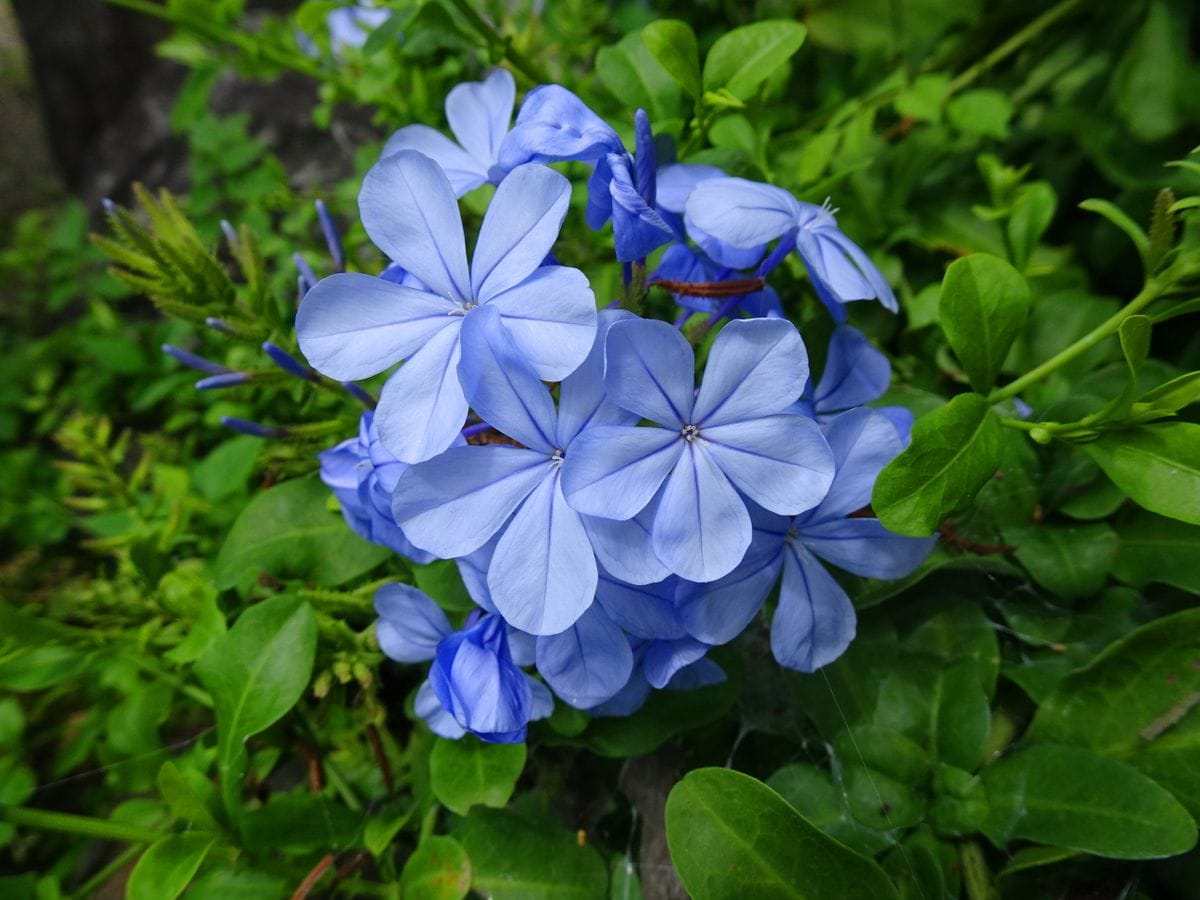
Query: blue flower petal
408, 208
649, 371
863, 441
464, 171
865, 547
351, 326
581, 396
541, 705
780, 462
422, 406
588, 663
700, 674
622, 547
756, 367
719, 611
742, 213
676, 182
815, 620
551, 318
855, 372
613, 471
479, 113
410, 624
638, 229
664, 659
476, 680
628, 700
472, 568
646, 611
437, 717
555, 125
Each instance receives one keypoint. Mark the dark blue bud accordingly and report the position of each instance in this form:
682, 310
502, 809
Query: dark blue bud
107, 205
365, 397
192, 361
332, 239
287, 362
227, 379
254, 429
230, 232
307, 277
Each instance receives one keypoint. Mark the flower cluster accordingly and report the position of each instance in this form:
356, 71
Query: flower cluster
612, 518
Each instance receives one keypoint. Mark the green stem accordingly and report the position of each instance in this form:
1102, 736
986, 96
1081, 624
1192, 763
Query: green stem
1013, 44
71, 824
496, 39
122, 859
977, 877
1108, 327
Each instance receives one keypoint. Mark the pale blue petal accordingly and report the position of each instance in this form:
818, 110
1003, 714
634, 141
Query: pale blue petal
588, 663
520, 227
408, 209
522, 646
677, 181
815, 621
740, 212
410, 624
664, 658
555, 125
541, 704
437, 717
543, 573
902, 419
599, 197
879, 288
780, 462
638, 229
479, 113
702, 528
613, 471
649, 371
622, 547
865, 547
500, 385
719, 611
628, 700
700, 674
723, 252
756, 367
463, 170
863, 441
351, 326
646, 611
855, 372
451, 504
422, 406
472, 568
581, 396
829, 266
551, 317
488, 695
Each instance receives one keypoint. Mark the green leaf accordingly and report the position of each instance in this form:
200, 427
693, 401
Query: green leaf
1152, 549
984, 305
1152, 75
438, 870
288, 532
635, 77
1072, 797
515, 858
962, 717
190, 796
1067, 560
984, 112
235, 884
732, 836
1158, 466
1032, 212
167, 866
673, 44
1137, 701
225, 471
256, 673
814, 795
1175, 394
954, 450
923, 99
1121, 219
468, 771
299, 822
742, 59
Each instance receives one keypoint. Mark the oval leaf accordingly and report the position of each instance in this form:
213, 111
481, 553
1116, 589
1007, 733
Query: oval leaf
168, 866
955, 449
465, 772
673, 44
732, 836
984, 304
742, 59
1158, 466
437, 870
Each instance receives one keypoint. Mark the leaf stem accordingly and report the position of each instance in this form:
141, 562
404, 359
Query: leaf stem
1150, 292
495, 39
69, 823
1013, 44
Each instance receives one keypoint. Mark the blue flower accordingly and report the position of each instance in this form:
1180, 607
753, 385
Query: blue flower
733, 436
474, 684
351, 326
362, 475
748, 214
542, 572
478, 113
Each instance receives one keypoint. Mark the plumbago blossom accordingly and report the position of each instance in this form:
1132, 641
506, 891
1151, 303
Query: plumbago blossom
613, 515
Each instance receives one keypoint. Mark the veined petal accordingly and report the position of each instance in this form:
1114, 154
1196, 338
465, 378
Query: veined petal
408, 208
702, 528
613, 471
472, 568
865, 547
815, 621
756, 367
450, 505
500, 385
855, 372
700, 674
581, 396
740, 212
479, 113
638, 229
422, 406
719, 611
437, 717
646, 611
863, 441
551, 318
622, 547
780, 462
664, 658
589, 662
543, 573
879, 288
351, 326
541, 705
649, 371
463, 170
552, 125
520, 227
410, 624
488, 695
677, 181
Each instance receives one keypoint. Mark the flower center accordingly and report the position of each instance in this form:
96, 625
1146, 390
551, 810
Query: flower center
557, 457
690, 432
464, 307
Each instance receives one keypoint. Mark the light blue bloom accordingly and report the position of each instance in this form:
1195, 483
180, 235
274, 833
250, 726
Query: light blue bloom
733, 436
478, 113
351, 326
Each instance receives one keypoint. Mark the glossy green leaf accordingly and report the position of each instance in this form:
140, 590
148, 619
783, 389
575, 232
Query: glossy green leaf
1031, 214
300, 822
468, 771
517, 858
954, 450
962, 717
168, 866
810, 789
288, 532
1158, 466
635, 77
1175, 394
1121, 219
190, 796
438, 870
1067, 560
1152, 549
1072, 797
984, 305
743, 58
732, 836
673, 44
983, 111
256, 672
